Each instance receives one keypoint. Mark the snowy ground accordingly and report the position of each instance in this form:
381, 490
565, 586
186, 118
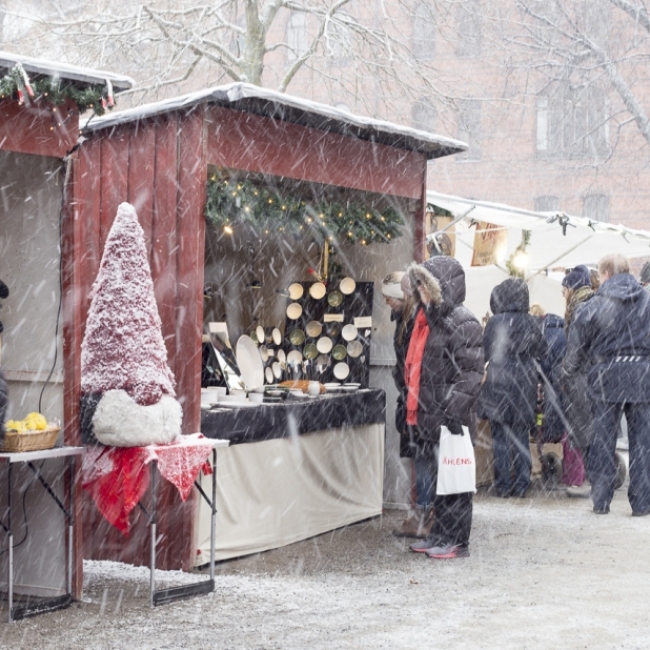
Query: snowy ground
545, 572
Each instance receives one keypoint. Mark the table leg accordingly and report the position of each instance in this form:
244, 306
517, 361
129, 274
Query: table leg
152, 560
213, 516
70, 517
10, 550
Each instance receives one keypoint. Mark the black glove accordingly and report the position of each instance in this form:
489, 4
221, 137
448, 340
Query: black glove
455, 427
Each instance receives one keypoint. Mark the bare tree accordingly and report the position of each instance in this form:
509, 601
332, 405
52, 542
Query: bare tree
369, 53
585, 50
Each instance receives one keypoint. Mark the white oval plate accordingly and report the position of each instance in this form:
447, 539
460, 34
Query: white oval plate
281, 355
277, 336
250, 363
324, 344
268, 375
295, 291
341, 370
294, 310
317, 290
277, 370
355, 348
349, 332
295, 356
347, 286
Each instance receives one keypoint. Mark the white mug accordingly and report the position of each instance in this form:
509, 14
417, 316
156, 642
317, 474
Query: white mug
313, 388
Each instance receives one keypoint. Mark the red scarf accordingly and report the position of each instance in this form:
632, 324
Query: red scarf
413, 366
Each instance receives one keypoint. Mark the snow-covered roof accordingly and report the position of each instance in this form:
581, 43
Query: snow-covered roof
557, 239
82, 76
271, 103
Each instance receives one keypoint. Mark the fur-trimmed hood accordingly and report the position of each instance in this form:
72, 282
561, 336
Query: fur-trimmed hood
443, 277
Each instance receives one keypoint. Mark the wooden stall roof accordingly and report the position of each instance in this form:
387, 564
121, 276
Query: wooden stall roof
82, 77
269, 103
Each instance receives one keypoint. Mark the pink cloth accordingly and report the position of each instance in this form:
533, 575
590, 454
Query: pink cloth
117, 477
573, 467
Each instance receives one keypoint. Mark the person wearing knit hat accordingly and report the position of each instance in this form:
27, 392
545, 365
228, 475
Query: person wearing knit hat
577, 277
644, 277
396, 289
577, 290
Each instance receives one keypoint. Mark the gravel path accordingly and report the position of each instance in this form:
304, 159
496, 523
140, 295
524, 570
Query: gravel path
545, 572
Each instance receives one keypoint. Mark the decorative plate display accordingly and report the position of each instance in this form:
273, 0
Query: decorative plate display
276, 335
261, 337
355, 349
324, 344
294, 311
296, 291
297, 337
249, 362
310, 351
349, 332
347, 286
339, 352
341, 371
313, 329
268, 375
334, 299
281, 356
295, 356
317, 290
277, 370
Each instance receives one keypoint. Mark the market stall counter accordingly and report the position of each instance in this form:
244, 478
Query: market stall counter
294, 469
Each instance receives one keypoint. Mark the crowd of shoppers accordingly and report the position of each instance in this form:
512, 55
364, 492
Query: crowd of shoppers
591, 367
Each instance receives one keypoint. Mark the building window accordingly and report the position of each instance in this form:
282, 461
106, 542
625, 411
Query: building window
469, 128
596, 207
469, 29
547, 203
573, 122
297, 37
423, 32
423, 116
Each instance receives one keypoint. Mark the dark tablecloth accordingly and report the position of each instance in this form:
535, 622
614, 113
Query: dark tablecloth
295, 416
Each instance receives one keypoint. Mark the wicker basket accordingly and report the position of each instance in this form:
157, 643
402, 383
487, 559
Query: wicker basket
30, 440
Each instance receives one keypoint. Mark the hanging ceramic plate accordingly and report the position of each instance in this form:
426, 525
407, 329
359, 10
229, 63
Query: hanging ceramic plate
268, 375
277, 370
310, 351
296, 291
250, 363
313, 329
333, 330
261, 338
322, 360
281, 356
349, 332
294, 310
339, 352
355, 349
295, 356
334, 299
264, 353
324, 344
297, 337
341, 371
317, 290
276, 336
253, 337
347, 286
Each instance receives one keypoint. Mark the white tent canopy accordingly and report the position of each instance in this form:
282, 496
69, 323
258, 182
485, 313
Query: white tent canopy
557, 241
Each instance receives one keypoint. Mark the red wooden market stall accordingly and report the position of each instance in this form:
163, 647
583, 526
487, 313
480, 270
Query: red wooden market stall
40, 105
159, 158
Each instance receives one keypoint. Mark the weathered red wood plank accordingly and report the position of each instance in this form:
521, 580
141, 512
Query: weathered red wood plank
260, 144
40, 128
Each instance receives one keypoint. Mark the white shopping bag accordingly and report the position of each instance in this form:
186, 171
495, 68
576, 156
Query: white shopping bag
456, 463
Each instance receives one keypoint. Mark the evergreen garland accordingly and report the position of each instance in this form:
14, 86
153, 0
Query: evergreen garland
513, 269
54, 91
231, 202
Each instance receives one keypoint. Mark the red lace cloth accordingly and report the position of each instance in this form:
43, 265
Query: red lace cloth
117, 477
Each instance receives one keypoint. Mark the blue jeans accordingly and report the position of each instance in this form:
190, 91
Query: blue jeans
511, 449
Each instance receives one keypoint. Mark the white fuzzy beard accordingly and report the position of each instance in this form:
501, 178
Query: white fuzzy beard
119, 421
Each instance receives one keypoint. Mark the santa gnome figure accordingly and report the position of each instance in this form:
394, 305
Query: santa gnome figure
123, 356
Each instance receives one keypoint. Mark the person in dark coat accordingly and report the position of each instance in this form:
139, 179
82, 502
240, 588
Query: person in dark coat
610, 336
396, 290
443, 372
513, 345
577, 290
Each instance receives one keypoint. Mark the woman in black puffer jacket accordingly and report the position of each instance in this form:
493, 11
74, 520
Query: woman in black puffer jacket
513, 344
443, 371
4, 402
